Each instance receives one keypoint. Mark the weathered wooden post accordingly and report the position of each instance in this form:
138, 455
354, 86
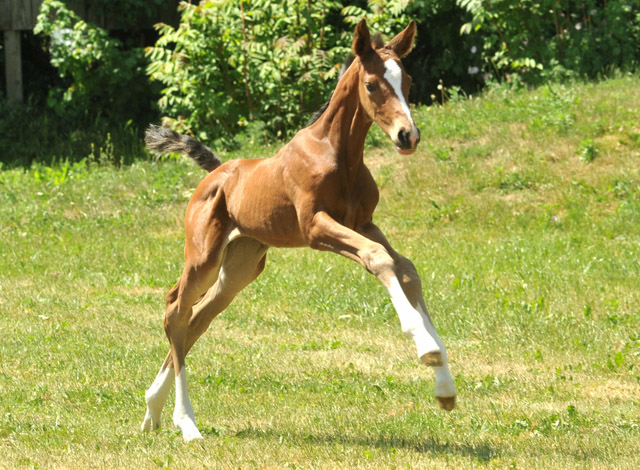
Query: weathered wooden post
13, 66
16, 16
21, 15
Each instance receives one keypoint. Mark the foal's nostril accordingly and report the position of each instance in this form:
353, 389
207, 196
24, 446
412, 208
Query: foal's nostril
403, 138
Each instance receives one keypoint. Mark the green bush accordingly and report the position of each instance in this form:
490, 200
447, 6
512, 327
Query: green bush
104, 79
257, 67
554, 39
231, 65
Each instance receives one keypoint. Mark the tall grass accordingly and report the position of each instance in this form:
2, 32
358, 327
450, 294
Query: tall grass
530, 259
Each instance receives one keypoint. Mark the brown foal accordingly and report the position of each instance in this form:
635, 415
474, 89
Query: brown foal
315, 192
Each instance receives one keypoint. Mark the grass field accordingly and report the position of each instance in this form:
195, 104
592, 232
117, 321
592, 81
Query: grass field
521, 211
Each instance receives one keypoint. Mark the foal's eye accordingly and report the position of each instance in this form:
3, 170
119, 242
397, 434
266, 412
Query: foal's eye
371, 87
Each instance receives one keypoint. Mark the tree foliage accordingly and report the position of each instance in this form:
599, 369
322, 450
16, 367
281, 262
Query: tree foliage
234, 69
258, 66
543, 39
103, 79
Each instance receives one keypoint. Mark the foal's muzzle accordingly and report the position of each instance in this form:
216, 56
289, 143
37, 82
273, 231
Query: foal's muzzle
407, 140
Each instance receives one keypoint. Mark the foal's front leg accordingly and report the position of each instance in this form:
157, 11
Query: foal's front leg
406, 272
398, 275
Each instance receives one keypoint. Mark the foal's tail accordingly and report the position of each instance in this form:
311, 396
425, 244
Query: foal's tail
162, 140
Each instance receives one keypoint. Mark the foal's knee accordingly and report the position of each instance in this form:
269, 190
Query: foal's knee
170, 321
378, 261
175, 317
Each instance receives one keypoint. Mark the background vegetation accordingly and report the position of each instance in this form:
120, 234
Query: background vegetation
521, 210
542, 39
233, 72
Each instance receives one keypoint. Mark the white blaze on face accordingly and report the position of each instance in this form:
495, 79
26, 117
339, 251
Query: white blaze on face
393, 75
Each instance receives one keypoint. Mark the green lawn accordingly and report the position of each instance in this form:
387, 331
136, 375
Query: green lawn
521, 211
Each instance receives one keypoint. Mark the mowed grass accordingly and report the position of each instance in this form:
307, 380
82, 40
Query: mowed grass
521, 211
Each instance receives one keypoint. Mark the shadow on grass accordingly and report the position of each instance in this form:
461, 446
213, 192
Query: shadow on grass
481, 452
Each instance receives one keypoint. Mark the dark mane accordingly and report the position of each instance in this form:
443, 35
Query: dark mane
347, 62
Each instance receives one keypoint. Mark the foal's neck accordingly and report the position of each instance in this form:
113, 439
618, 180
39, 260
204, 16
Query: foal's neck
345, 124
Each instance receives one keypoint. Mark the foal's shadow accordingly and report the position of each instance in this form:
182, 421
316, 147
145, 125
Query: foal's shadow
482, 452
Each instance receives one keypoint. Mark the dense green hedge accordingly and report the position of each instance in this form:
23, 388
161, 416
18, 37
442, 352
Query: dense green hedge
551, 39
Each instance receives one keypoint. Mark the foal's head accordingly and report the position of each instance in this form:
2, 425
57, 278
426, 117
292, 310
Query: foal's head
384, 85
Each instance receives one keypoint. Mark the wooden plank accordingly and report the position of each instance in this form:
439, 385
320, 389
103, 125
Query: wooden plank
13, 66
21, 17
5, 14
23, 14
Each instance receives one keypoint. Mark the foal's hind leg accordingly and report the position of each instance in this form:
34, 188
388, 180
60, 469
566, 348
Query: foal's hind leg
156, 396
195, 280
243, 261
207, 235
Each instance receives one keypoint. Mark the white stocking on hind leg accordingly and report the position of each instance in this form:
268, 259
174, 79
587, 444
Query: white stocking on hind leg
156, 396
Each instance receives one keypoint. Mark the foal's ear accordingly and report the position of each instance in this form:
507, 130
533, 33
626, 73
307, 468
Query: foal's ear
402, 43
362, 40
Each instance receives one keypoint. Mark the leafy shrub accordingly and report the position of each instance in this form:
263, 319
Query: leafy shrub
387, 17
104, 80
261, 67
542, 39
232, 63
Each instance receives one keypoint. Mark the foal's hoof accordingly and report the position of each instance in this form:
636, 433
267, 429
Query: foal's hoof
432, 359
188, 427
150, 422
148, 425
190, 432
447, 403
